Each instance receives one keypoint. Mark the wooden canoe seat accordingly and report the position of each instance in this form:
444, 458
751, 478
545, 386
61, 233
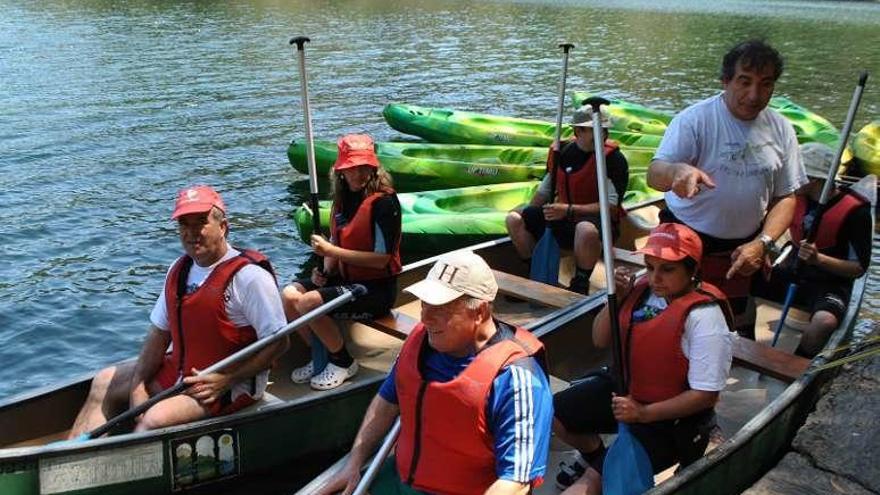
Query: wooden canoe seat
768, 360
397, 324
535, 292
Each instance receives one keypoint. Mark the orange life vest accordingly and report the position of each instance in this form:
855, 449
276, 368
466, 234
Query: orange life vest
831, 222
655, 367
445, 443
201, 330
357, 235
579, 187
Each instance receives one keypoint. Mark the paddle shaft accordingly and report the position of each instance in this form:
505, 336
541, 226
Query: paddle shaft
813, 230
378, 459
607, 247
566, 47
248, 351
310, 141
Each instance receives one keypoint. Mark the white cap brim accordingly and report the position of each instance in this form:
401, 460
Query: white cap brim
433, 292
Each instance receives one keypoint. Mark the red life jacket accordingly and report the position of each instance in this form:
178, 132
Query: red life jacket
831, 222
582, 184
201, 330
445, 443
656, 368
357, 235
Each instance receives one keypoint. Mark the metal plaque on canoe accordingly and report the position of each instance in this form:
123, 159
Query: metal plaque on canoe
204, 458
100, 468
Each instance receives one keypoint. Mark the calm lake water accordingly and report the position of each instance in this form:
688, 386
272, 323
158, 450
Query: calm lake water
108, 108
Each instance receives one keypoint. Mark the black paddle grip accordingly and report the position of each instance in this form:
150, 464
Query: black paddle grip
863, 78
595, 102
566, 47
299, 41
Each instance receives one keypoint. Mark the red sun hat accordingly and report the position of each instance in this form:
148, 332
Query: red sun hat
355, 150
197, 199
673, 242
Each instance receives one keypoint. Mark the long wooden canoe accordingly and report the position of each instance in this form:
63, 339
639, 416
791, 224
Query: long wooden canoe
770, 391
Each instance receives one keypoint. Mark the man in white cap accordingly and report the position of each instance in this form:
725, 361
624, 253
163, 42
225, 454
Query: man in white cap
225, 299
474, 403
572, 210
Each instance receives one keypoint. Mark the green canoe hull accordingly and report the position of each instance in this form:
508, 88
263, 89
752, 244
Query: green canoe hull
866, 148
436, 221
443, 125
422, 167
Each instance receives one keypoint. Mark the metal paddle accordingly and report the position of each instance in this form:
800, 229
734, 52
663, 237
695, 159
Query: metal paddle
627, 468
823, 200
545, 257
320, 356
347, 295
378, 459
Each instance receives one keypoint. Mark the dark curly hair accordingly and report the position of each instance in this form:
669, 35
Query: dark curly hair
753, 54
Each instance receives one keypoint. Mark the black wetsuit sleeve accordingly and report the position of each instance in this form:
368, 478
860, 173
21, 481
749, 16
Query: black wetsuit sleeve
618, 171
386, 216
857, 233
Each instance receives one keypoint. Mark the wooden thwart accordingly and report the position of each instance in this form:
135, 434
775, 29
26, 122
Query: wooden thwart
768, 360
535, 292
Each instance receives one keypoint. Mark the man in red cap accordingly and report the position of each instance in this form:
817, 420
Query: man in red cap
221, 299
364, 248
679, 348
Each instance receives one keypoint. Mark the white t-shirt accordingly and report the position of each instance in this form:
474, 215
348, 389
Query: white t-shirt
751, 162
252, 298
707, 343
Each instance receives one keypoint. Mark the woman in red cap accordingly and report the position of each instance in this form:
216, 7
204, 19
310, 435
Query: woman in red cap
675, 333
364, 248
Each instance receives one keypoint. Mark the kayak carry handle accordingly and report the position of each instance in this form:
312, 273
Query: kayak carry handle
595, 102
300, 41
566, 47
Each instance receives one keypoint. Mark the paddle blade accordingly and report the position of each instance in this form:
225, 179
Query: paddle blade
545, 260
627, 468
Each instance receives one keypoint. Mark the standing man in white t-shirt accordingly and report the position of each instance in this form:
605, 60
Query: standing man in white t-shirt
730, 167
216, 301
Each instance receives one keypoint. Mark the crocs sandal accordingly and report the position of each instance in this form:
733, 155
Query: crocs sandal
333, 376
303, 374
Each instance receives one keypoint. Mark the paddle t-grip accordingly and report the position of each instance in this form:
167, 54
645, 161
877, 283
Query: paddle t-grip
566, 47
299, 41
596, 102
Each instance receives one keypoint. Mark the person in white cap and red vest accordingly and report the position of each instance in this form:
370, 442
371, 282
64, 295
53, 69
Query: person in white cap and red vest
473, 399
364, 248
678, 348
217, 300
840, 253
572, 210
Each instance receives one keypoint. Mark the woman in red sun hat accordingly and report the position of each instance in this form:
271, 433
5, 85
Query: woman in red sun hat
364, 248
677, 351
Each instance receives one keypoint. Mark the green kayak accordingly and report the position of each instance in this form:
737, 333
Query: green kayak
421, 166
437, 221
866, 148
630, 117
808, 126
443, 125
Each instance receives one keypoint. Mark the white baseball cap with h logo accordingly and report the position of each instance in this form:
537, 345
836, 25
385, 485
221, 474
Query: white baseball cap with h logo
454, 275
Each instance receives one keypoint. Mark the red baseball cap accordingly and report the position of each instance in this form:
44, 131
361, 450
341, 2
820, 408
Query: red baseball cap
197, 199
673, 242
355, 150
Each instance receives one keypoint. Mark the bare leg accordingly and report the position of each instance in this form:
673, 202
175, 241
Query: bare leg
588, 484
822, 324
587, 245
108, 396
324, 327
585, 442
522, 239
290, 295
172, 411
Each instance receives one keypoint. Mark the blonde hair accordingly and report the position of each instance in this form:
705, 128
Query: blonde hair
379, 181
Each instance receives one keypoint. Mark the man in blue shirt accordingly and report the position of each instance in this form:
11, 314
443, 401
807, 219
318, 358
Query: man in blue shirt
474, 404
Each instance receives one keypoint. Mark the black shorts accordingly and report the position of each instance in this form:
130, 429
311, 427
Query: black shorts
812, 295
563, 230
376, 303
585, 407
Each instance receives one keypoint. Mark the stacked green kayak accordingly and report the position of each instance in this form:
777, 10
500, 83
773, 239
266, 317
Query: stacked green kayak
443, 125
425, 166
866, 148
808, 126
630, 117
437, 221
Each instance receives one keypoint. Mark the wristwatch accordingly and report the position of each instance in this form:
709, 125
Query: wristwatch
767, 242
